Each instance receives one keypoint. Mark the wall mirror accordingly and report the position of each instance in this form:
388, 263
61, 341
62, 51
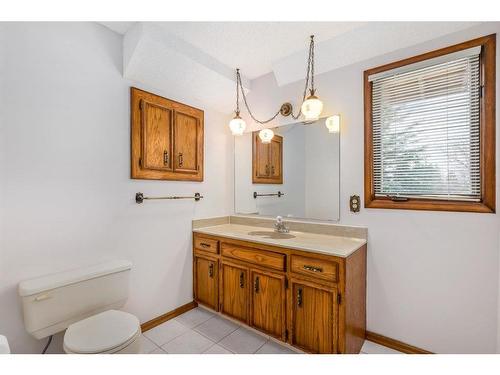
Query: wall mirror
295, 175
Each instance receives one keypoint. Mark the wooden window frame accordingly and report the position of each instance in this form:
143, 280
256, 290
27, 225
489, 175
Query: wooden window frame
487, 134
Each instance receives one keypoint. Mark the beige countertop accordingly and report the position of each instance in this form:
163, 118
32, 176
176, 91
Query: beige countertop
340, 246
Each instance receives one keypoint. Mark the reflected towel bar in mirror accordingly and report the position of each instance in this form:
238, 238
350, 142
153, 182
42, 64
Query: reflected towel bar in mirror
278, 194
139, 197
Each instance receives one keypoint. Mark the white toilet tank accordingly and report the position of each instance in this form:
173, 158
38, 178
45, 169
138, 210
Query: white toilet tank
51, 303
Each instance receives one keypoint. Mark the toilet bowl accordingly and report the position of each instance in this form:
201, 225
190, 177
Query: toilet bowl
4, 345
109, 332
83, 302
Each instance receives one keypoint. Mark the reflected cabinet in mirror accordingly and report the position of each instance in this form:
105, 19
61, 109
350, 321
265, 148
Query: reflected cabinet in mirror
295, 175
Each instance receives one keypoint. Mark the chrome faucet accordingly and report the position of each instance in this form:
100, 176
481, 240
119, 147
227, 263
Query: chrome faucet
280, 225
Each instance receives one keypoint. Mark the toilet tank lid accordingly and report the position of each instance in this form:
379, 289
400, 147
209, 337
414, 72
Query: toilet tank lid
57, 280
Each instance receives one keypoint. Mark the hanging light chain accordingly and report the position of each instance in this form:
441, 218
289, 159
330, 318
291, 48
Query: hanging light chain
309, 77
238, 83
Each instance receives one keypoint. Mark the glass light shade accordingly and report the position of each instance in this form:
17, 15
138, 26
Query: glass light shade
266, 135
311, 108
332, 123
237, 125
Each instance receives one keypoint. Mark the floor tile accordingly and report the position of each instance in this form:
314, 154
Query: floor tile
158, 351
147, 346
194, 317
190, 342
272, 347
243, 341
372, 348
216, 328
166, 332
216, 349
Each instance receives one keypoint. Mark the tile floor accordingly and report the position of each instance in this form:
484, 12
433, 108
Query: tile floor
200, 331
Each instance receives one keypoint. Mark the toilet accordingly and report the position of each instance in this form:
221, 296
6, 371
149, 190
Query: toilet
85, 303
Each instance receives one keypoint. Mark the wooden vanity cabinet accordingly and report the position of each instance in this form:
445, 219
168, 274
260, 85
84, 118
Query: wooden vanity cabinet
206, 277
312, 301
267, 160
234, 291
267, 305
166, 138
314, 316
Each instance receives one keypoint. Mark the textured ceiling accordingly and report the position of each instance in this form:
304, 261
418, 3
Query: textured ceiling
254, 46
197, 59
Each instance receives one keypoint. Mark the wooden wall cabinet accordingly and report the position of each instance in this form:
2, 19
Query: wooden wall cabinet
312, 301
166, 138
267, 160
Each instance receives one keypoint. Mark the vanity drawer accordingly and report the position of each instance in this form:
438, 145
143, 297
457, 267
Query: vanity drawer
206, 244
262, 258
318, 268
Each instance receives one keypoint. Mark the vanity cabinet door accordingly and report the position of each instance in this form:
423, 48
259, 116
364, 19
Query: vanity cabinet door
206, 277
314, 317
234, 291
267, 307
186, 142
156, 137
276, 157
262, 167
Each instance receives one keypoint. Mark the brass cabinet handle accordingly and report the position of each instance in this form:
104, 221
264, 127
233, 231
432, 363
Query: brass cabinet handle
181, 159
312, 268
211, 270
272, 170
242, 279
256, 284
204, 244
299, 297
165, 157
267, 169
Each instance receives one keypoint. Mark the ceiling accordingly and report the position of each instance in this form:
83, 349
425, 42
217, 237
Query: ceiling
251, 46
197, 59
254, 46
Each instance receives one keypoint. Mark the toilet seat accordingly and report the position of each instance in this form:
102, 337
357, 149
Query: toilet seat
106, 332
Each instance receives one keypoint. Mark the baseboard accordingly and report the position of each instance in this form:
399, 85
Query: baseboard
394, 344
170, 315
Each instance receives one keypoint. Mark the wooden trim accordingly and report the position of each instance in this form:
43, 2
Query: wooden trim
394, 344
487, 131
170, 315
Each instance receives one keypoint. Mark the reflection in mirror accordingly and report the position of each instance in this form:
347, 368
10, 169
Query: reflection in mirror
296, 175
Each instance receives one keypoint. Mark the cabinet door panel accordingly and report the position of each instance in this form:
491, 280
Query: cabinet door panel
186, 147
314, 312
206, 281
262, 168
268, 303
235, 291
156, 137
276, 158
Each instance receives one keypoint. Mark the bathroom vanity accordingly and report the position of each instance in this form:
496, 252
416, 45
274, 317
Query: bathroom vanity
306, 287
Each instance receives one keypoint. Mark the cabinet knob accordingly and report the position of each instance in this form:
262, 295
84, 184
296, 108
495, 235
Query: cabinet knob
299, 297
181, 159
242, 279
267, 169
272, 170
165, 157
256, 284
211, 270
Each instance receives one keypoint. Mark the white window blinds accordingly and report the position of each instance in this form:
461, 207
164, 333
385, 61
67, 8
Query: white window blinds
425, 119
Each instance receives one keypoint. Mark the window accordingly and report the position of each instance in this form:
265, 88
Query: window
430, 130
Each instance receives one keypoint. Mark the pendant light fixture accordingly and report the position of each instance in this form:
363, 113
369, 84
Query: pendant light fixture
332, 123
311, 107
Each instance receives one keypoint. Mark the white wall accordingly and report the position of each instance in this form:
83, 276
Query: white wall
69, 197
432, 276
